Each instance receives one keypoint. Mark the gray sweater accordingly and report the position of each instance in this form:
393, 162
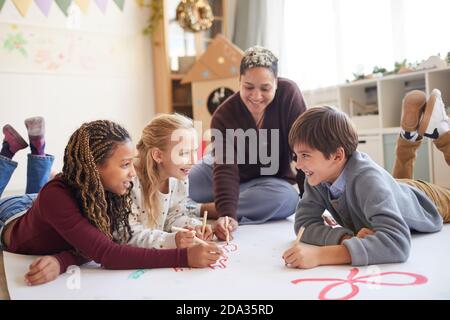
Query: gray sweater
372, 199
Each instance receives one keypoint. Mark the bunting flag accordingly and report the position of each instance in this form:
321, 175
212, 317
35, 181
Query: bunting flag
22, 6
102, 4
63, 5
44, 6
120, 4
83, 4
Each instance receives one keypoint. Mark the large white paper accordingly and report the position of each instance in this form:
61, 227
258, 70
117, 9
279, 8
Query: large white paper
253, 269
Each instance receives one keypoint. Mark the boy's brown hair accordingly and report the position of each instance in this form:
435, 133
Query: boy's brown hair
325, 129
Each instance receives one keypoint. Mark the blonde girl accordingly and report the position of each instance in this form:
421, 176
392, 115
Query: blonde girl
167, 151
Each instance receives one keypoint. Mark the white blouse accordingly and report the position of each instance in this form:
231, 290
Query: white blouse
173, 213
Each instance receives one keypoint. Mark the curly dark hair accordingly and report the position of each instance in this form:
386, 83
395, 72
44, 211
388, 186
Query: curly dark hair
91, 145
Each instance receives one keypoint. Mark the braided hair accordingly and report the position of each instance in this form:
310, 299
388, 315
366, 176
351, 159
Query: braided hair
91, 145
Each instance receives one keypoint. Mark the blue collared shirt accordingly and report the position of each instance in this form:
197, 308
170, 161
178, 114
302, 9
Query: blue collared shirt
337, 188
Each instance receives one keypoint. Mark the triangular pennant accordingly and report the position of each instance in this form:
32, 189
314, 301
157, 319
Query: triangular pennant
102, 4
120, 4
63, 5
83, 4
2, 2
22, 6
44, 6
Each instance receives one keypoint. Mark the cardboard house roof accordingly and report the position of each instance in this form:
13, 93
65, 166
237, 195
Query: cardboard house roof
221, 60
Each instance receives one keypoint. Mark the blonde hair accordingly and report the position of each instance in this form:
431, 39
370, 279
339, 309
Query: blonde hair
156, 134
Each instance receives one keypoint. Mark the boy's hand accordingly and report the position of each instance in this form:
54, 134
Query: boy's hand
208, 232
42, 270
201, 256
364, 232
184, 239
302, 256
221, 231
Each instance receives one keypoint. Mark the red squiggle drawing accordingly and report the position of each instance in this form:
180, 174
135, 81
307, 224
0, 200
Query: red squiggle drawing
219, 264
416, 279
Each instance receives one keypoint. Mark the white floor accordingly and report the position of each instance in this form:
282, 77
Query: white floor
253, 269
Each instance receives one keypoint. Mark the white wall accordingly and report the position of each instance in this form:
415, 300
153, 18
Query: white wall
67, 98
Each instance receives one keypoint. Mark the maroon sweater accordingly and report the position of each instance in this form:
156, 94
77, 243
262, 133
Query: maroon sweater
54, 225
280, 114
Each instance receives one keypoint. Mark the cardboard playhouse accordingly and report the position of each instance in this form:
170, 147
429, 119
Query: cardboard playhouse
214, 77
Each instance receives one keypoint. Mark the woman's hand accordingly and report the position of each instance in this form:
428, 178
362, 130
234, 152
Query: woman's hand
185, 239
43, 270
220, 230
208, 232
302, 256
201, 255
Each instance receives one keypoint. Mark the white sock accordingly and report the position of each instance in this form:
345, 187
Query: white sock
409, 135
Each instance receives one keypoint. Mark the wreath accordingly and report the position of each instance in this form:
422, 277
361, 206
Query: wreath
194, 15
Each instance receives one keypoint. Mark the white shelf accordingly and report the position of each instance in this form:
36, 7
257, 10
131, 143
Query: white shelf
379, 131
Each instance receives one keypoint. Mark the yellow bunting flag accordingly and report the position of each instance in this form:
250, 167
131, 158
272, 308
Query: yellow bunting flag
22, 6
83, 4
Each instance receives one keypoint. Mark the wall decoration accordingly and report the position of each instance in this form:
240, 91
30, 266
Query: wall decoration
31, 49
64, 5
194, 15
44, 6
102, 4
83, 5
120, 4
22, 6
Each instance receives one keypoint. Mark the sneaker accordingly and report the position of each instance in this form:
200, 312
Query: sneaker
413, 105
14, 139
434, 121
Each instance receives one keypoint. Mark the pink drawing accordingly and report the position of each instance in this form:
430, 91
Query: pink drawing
352, 280
219, 264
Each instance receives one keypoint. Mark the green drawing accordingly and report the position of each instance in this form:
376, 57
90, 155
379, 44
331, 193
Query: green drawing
137, 274
16, 42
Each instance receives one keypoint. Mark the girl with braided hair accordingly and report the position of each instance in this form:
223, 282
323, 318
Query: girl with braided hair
74, 215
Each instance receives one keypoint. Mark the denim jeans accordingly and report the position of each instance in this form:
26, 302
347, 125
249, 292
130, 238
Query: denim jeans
38, 172
260, 199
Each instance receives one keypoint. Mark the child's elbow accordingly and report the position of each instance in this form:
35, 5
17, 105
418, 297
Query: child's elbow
401, 254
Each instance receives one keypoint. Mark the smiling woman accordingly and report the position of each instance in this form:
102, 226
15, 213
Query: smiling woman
255, 184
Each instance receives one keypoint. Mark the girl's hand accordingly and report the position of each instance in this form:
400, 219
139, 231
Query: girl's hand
221, 231
201, 256
364, 232
42, 270
302, 256
208, 232
184, 239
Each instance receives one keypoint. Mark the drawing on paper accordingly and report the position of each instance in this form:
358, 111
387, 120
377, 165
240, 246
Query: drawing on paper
411, 279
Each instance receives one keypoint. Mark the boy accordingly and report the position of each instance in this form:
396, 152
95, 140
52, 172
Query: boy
375, 211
